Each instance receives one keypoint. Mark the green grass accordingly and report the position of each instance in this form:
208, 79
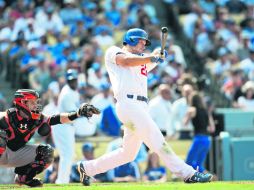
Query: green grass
180, 147
246, 185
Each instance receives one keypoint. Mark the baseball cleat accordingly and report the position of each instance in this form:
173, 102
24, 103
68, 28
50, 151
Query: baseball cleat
20, 180
84, 178
199, 178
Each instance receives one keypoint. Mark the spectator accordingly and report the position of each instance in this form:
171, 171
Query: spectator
243, 51
29, 63
246, 102
231, 89
49, 20
88, 154
247, 65
209, 6
179, 57
191, 19
114, 14
154, 171
6, 36
39, 78
179, 110
96, 76
236, 6
104, 37
125, 173
223, 64
160, 108
70, 13
197, 114
173, 68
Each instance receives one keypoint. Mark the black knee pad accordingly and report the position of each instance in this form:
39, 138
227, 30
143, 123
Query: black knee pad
44, 157
44, 154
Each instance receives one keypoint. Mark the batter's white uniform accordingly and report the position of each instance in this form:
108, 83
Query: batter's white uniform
64, 134
139, 126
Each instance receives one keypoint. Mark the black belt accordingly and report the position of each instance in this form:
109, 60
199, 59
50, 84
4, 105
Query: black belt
140, 98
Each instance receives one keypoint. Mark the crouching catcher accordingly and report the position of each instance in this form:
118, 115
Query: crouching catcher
17, 126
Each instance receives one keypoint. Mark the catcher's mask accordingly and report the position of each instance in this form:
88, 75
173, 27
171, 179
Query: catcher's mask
29, 102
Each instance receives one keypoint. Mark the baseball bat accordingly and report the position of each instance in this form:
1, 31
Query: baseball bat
164, 34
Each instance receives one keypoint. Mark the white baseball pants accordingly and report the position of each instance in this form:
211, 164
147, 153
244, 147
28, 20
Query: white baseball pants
139, 127
64, 140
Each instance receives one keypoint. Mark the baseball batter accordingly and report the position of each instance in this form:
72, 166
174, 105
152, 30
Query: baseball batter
128, 68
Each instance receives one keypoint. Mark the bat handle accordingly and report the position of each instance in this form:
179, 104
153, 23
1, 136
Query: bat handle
162, 51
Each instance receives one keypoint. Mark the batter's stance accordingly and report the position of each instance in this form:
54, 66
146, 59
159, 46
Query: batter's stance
18, 125
127, 68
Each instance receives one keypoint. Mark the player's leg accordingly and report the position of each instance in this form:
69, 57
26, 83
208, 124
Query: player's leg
136, 113
149, 132
128, 151
28, 162
64, 140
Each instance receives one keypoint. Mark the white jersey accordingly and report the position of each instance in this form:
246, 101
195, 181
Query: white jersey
68, 100
126, 80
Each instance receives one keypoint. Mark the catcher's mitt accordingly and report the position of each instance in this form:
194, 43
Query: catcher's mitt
88, 110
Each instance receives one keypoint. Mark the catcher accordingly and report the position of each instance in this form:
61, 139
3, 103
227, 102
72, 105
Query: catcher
18, 125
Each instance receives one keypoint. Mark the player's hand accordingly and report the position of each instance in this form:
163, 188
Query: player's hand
164, 55
158, 57
87, 110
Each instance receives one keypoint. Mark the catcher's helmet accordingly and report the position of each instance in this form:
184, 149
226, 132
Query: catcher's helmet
71, 74
133, 35
34, 108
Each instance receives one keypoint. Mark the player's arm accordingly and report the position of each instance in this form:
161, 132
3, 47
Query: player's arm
131, 60
85, 110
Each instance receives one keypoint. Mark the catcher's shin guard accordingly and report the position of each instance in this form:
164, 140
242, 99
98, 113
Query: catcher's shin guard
44, 157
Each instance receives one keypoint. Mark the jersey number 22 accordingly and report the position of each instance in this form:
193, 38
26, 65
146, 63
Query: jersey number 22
143, 70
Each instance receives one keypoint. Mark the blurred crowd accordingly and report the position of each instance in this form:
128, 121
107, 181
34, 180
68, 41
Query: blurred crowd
223, 34
40, 40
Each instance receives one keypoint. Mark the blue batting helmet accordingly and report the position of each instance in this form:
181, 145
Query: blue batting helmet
133, 35
71, 74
